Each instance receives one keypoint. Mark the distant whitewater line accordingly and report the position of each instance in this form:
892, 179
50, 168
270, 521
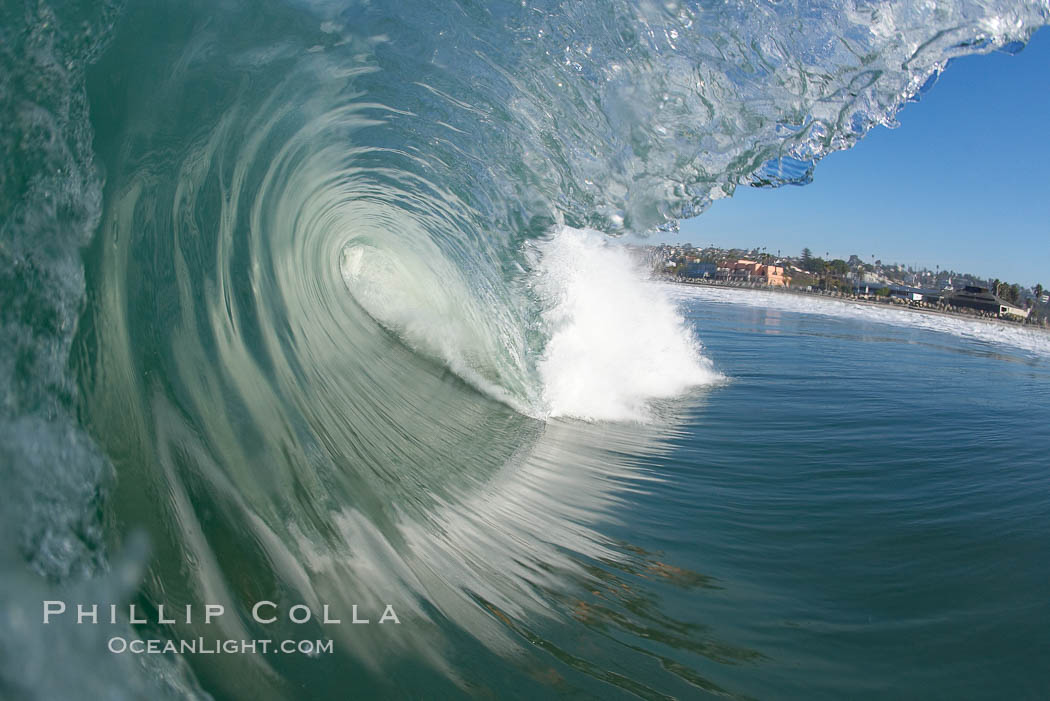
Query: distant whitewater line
1033, 341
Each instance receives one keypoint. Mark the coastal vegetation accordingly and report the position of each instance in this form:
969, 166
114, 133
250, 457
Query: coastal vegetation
853, 276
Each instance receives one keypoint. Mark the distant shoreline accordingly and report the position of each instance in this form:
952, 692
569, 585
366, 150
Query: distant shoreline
860, 302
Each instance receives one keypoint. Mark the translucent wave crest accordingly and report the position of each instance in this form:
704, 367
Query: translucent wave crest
322, 227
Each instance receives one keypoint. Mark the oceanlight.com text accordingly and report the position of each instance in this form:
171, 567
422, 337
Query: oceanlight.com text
200, 646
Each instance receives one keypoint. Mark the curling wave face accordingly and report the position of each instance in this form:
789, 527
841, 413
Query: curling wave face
345, 277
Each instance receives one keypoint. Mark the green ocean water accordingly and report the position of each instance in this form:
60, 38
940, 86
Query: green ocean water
319, 303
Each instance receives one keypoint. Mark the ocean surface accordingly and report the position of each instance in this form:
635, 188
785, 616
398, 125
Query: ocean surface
320, 303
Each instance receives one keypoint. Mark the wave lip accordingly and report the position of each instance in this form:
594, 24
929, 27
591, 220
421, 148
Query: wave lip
617, 341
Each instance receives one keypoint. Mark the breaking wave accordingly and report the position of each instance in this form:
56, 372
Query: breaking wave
258, 259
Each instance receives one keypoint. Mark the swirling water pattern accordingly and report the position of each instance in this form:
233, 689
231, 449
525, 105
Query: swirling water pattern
332, 322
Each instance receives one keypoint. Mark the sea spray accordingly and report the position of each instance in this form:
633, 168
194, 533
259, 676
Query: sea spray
617, 340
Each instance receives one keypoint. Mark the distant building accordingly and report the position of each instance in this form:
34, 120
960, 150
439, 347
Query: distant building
911, 294
982, 299
697, 269
749, 270
775, 275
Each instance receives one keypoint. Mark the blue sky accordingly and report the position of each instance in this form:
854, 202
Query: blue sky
963, 182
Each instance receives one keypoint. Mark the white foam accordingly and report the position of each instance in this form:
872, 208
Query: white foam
1031, 341
616, 339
